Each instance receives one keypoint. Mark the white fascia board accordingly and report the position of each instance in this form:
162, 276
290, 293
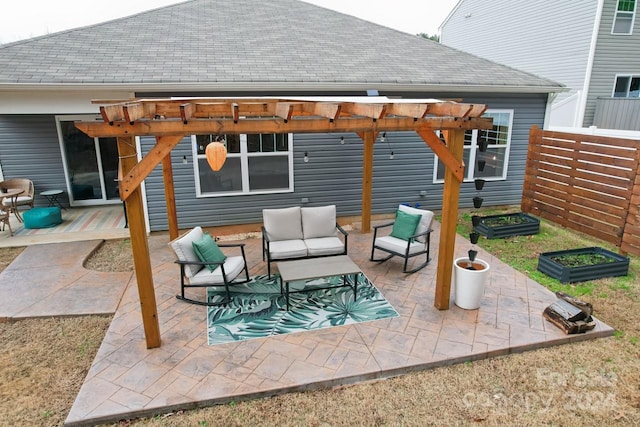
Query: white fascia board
109, 91
55, 101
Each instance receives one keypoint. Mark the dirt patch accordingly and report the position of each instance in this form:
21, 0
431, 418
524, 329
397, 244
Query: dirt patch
116, 256
111, 256
7, 255
43, 363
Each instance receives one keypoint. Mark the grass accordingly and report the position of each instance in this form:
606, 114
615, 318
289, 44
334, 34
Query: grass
521, 253
43, 362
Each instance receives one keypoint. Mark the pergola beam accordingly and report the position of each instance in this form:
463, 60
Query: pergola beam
442, 151
133, 112
186, 112
277, 125
416, 111
138, 172
264, 107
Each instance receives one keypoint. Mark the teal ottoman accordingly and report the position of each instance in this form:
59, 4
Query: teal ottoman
42, 217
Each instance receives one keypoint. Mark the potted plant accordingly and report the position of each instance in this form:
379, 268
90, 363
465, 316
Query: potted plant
470, 279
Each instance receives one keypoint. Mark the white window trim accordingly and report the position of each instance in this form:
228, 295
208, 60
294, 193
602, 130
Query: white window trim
633, 19
244, 167
470, 168
615, 80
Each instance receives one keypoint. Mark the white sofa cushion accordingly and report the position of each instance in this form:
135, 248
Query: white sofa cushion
287, 249
399, 245
425, 222
183, 247
324, 246
318, 221
282, 224
232, 267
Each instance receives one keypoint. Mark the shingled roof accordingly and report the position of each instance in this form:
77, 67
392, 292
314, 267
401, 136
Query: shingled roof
249, 44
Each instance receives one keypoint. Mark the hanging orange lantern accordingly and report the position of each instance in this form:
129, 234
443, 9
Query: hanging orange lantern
216, 155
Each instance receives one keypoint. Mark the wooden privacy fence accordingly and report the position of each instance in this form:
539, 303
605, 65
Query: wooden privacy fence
587, 183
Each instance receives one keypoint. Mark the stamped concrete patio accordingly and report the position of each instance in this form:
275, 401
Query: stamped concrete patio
127, 380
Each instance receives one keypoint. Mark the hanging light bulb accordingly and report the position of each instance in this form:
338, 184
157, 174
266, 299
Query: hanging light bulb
342, 140
184, 160
383, 138
391, 156
306, 157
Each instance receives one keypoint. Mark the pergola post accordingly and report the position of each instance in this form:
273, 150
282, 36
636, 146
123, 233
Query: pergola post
450, 198
140, 246
368, 138
169, 197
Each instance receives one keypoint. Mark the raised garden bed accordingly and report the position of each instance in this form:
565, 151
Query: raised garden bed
579, 265
506, 225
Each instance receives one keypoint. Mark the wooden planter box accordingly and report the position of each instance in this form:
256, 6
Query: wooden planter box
548, 264
506, 225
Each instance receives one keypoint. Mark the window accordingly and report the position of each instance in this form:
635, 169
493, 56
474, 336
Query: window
624, 17
260, 163
496, 157
627, 87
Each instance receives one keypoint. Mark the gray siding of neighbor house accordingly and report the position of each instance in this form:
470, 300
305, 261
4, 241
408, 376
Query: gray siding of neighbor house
615, 54
618, 113
548, 38
333, 174
29, 148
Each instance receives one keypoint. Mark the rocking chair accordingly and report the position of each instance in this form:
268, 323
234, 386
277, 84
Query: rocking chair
403, 241
198, 273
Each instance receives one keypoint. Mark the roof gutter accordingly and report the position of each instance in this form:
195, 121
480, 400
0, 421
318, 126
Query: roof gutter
280, 86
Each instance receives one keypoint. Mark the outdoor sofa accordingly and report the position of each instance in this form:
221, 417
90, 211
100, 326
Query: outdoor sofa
301, 232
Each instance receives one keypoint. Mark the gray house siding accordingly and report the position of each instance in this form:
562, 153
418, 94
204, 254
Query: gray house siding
615, 54
333, 174
547, 38
29, 148
618, 113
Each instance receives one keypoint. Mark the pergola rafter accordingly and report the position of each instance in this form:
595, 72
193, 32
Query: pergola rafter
170, 120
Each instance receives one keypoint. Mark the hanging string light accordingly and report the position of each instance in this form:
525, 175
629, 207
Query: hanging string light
384, 138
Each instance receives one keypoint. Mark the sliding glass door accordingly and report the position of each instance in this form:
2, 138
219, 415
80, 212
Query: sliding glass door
91, 164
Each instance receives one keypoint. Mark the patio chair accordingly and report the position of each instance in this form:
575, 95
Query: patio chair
203, 265
410, 237
24, 199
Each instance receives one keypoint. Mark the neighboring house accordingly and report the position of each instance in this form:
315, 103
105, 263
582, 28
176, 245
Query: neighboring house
254, 48
590, 46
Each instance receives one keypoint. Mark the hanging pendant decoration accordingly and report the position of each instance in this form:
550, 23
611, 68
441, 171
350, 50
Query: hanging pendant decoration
216, 154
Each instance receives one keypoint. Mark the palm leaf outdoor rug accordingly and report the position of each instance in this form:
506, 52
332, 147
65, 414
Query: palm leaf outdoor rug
257, 309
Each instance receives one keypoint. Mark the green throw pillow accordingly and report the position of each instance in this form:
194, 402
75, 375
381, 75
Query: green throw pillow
208, 251
405, 225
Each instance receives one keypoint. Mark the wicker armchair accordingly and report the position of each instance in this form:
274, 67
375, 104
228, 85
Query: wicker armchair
26, 198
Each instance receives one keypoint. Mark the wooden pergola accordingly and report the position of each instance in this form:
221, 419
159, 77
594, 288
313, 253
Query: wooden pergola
170, 120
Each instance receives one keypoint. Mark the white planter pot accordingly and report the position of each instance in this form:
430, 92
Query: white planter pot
469, 284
